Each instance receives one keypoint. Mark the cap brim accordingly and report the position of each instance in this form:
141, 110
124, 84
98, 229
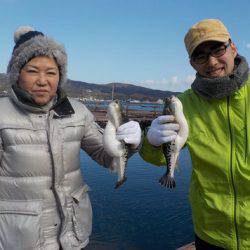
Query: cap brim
209, 39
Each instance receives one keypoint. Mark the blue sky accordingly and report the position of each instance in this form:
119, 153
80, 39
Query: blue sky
130, 41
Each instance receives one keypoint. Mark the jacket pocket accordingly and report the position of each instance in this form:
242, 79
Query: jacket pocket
20, 225
82, 214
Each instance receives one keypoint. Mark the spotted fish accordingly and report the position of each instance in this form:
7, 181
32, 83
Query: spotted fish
172, 149
115, 148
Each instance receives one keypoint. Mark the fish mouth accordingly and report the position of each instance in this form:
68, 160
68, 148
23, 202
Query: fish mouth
170, 99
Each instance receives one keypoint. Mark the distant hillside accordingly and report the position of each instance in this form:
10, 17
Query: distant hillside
104, 91
121, 91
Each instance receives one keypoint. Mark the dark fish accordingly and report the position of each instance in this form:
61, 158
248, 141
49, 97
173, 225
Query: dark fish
172, 149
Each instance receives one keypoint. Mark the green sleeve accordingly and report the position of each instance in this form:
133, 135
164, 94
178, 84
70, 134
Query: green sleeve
151, 154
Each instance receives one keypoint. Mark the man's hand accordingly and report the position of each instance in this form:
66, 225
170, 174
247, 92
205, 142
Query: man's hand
129, 132
162, 130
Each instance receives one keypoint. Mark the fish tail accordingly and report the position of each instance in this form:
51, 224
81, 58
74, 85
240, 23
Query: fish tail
120, 182
170, 182
167, 181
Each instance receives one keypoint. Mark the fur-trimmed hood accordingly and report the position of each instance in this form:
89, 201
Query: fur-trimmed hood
36, 45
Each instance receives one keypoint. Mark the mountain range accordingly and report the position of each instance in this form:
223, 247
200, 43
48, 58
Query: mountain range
122, 91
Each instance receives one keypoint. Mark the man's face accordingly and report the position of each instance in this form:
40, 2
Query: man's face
214, 66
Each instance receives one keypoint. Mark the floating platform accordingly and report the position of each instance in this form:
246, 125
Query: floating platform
190, 246
144, 117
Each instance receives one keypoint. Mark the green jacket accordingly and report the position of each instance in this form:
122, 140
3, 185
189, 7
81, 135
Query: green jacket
219, 145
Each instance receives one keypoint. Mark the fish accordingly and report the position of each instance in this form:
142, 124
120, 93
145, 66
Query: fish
171, 150
115, 148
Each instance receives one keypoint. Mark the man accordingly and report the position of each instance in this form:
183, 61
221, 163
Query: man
217, 109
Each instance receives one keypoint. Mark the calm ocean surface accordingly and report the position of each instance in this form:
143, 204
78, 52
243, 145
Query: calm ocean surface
141, 215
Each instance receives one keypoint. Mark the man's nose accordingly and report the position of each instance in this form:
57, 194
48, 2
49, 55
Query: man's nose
212, 60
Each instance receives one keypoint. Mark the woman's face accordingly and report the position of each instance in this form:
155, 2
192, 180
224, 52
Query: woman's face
40, 77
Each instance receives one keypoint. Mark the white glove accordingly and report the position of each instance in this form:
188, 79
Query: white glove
130, 132
162, 130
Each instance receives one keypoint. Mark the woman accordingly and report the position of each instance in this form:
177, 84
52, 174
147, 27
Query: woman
43, 200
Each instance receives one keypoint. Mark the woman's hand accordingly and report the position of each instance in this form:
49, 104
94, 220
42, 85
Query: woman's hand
130, 133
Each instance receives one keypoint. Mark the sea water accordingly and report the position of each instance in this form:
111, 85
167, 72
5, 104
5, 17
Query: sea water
140, 215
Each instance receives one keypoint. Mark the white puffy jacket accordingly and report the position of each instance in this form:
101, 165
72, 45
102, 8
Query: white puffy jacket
43, 198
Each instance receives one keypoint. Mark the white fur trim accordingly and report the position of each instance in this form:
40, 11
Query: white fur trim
21, 31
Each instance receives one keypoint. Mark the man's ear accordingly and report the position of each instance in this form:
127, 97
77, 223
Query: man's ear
190, 61
192, 64
234, 49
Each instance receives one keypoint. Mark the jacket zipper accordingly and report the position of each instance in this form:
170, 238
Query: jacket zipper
58, 203
231, 173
